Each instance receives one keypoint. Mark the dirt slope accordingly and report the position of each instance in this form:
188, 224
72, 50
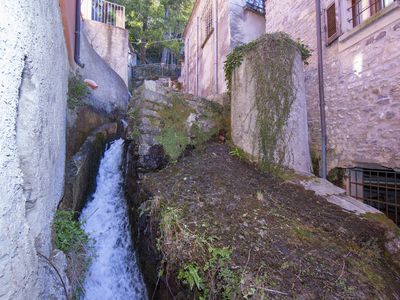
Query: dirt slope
227, 231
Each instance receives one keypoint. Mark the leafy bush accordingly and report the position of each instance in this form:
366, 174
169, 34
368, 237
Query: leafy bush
68, 232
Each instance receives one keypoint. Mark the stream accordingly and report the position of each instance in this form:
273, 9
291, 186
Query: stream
113, 272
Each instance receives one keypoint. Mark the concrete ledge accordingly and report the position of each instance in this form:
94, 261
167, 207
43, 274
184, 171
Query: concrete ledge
337, 196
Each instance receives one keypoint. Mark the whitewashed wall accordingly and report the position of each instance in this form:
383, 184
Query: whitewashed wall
33, 89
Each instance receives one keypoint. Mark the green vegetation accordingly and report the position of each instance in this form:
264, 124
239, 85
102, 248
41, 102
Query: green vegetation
70, 238
205, 267
201, 136
154, 25
337, 176
271, 63
176, 134
77, 91
384, 221
134, 116
68, 232
189, 274
238, 153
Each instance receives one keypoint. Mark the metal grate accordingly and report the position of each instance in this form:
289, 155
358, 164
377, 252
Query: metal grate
379, 188
256, 5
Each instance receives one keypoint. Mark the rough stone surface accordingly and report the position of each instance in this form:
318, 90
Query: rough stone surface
81, 121
57, 261
112, 93
244, 117
150, 113
33, 89
361, 83
111, 43
81, 169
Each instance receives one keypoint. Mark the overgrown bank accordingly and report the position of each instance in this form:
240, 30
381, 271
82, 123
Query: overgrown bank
223, 230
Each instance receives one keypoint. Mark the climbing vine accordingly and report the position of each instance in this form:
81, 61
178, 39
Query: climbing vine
270, 59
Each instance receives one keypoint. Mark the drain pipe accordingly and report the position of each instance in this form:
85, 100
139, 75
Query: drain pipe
197, 54
216, 50
321, 89
77, 50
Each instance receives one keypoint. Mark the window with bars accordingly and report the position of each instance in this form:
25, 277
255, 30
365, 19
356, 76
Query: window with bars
361, 10
379, 188
256, 5
207, 22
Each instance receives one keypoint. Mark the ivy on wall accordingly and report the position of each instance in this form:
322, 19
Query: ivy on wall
270, 59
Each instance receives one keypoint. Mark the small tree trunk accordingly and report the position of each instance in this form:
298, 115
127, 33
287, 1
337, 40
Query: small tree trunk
143, 53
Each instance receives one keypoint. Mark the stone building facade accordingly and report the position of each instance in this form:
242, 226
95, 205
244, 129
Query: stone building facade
361, 60
214, 29
361, 76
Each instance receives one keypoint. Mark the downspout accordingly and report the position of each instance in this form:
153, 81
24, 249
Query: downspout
197, 56
216, 48
321, 89
77, 50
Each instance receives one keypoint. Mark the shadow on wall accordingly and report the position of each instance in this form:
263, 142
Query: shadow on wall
112, 94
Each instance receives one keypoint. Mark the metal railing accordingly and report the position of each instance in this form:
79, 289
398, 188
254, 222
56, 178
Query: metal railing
104, 11
360, 12
151, 71
379, 188
256, 5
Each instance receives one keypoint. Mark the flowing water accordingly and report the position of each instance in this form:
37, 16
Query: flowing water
113, 273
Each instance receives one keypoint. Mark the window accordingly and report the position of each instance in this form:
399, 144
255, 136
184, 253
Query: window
331, 24
207, 22
361, 10
378, 187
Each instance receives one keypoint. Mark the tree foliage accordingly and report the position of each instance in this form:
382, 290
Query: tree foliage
156, 24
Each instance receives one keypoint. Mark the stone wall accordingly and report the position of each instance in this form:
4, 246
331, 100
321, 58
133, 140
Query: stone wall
203, 71
33, 89
111, 43
244, 113
362, 74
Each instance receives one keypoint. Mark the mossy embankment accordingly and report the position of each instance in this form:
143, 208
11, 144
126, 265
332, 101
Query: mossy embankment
164, 123
224, 230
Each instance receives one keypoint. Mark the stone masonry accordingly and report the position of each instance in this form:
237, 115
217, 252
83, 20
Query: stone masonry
361, 74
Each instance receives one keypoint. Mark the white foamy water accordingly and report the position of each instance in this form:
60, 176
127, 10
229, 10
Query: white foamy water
113, 273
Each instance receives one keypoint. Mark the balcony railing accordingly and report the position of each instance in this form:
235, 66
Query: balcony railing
256, 5
104, 12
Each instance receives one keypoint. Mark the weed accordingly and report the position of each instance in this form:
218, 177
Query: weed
204, 267
74, 242
77, 91
238, 153
68, 231
190, 274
